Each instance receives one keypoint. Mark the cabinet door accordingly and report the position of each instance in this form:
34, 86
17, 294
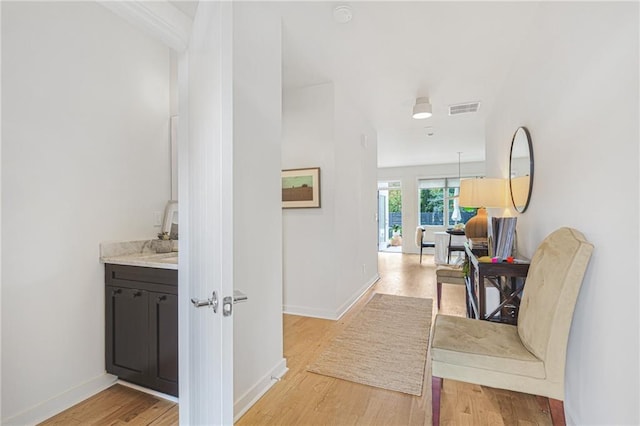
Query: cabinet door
164, 341
127, 333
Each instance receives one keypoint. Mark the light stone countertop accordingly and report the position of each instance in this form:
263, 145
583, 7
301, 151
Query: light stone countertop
137, 253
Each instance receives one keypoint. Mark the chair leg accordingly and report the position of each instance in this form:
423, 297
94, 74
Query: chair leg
436, 387
421, 255
438, 293
557, 412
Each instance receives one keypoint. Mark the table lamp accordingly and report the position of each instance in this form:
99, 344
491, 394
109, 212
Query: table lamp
481, 193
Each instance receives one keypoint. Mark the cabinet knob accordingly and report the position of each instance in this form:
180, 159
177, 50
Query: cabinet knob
162, 298
137, 293
116, 292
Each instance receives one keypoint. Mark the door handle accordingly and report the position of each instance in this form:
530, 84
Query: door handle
239, 297
212, 302
228, 302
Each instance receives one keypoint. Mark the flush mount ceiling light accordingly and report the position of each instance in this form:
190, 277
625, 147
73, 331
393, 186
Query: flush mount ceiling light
342, 14
422, 109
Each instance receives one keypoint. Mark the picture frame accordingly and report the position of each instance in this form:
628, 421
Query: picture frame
301, 188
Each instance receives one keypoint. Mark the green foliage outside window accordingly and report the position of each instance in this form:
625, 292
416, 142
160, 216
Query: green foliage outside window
432, 200
433, 210
395, 201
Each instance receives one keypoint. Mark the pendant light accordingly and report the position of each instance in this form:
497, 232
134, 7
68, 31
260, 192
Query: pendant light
422, 109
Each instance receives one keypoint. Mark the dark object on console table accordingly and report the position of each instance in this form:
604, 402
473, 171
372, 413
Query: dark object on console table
142, 326
508, 278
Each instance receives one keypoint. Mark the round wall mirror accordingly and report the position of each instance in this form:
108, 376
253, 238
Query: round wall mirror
521, 169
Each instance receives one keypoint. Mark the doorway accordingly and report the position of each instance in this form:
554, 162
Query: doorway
390, 216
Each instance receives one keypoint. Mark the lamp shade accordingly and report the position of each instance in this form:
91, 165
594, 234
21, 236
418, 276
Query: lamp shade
422, 109
487, 192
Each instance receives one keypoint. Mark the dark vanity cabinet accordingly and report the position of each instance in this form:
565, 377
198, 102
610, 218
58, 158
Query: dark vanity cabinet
142, 326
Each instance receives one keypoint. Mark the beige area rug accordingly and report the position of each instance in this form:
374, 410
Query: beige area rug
384, 346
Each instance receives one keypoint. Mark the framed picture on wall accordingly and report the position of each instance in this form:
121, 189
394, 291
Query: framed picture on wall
301, 188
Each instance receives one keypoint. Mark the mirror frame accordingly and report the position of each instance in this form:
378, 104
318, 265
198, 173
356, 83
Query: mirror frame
530, 145
170, 211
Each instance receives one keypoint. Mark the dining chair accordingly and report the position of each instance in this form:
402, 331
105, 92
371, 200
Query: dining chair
420, 241
529, 357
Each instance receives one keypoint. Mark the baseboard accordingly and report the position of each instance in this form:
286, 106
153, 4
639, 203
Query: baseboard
246, 401
148, 391
65, 400
305, 311
329, 314
355, 297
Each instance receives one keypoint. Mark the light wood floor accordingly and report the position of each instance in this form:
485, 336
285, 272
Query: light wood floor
303, 398
119, 405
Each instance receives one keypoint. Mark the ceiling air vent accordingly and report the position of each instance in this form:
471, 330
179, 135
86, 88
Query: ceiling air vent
464, 108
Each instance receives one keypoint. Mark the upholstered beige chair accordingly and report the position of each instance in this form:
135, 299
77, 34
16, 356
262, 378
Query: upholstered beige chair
450, 274
529, 357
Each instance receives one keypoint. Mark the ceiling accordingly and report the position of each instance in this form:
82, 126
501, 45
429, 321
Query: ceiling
392, 52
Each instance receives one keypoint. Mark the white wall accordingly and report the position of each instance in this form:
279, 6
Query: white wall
408, 177
85, 103
355, 203
330, 252
257, 123
576, 89
307, 234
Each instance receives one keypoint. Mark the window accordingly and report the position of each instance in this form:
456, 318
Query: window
431, 194
439, 203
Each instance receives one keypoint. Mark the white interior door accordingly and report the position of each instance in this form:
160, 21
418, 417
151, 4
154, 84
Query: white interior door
206, 220
382, 220
205, 197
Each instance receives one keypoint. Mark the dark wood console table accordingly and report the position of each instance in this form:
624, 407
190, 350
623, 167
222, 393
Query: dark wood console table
508, 278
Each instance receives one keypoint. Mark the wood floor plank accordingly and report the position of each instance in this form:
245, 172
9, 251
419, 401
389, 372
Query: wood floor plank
116, 405
128, 411
157, 410
168, 418
303, 398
